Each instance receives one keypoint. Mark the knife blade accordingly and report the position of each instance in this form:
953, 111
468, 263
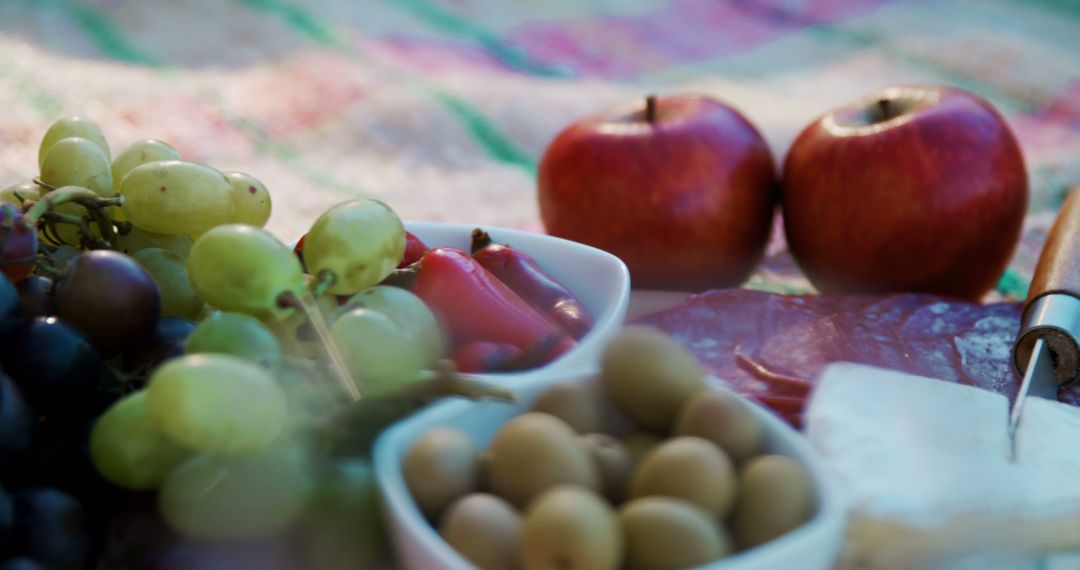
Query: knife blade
1047, 350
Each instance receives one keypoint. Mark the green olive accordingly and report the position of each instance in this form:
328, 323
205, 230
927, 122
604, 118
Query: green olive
578, 404
613, 462
688, 468
663, 533
571, 528
649, 376
534, 452
439, 468
720, 417
485, 529
776, 496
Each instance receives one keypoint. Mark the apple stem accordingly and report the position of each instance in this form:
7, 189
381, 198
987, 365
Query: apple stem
650, 108
885, 107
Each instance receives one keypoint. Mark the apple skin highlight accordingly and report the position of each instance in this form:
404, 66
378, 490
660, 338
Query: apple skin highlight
686, 200
928, 196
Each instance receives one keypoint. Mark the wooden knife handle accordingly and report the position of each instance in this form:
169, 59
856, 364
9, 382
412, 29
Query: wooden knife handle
1058, 270
1052, 309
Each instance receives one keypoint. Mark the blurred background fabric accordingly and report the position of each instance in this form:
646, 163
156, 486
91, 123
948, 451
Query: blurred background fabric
443, 107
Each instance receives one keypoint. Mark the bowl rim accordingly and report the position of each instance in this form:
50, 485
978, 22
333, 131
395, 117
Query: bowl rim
397, 502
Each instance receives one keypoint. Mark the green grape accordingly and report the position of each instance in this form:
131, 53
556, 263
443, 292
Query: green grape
169, 270
210, 497
72, 127
138, 239
295, 335
128, 450
295, 331
237, 334
244, 269
64, 255
217, 403
140, 152
408, 311
250, 198
360, 242
379, 354
28, 190
76, 161
343, 528
308, 400
176, 197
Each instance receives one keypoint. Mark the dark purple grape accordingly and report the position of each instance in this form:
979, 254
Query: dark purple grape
168, 340
10, 311
16, 424
61, 459
137, 536
270, 553
57, 369
110, 298
50, 527
7, 518
36, 295
21, 564
17, 242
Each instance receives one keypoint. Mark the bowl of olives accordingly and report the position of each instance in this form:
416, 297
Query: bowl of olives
641, 462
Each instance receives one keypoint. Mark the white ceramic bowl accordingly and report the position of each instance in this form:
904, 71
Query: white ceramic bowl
417, 545
598, 279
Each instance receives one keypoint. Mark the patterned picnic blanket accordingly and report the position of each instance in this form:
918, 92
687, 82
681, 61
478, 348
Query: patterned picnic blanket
443, 107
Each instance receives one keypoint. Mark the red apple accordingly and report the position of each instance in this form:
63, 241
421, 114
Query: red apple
912, 189
682, 188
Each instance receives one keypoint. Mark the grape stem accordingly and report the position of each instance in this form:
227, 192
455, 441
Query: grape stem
347, 427
326, 279
47, 267
307, 306
444, 380
104, 224
86, 238
48, 187
49, 231
82, 196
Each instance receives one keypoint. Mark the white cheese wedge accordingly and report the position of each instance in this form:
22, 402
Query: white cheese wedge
933, 458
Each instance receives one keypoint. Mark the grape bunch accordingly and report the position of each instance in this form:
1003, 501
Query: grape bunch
179, 389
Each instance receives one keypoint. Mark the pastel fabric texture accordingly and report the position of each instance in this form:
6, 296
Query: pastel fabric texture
443, 107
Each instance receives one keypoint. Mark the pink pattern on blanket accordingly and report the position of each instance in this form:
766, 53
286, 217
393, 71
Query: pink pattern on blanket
433, 56
1052, 129
626, 46
771, 347
300, 94
682, 32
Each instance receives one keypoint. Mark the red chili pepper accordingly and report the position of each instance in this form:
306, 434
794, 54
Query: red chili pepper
522, 274
298, 249
484, 356
474, 305
487, 356
415, 248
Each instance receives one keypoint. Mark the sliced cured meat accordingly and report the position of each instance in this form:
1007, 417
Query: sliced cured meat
771, 347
